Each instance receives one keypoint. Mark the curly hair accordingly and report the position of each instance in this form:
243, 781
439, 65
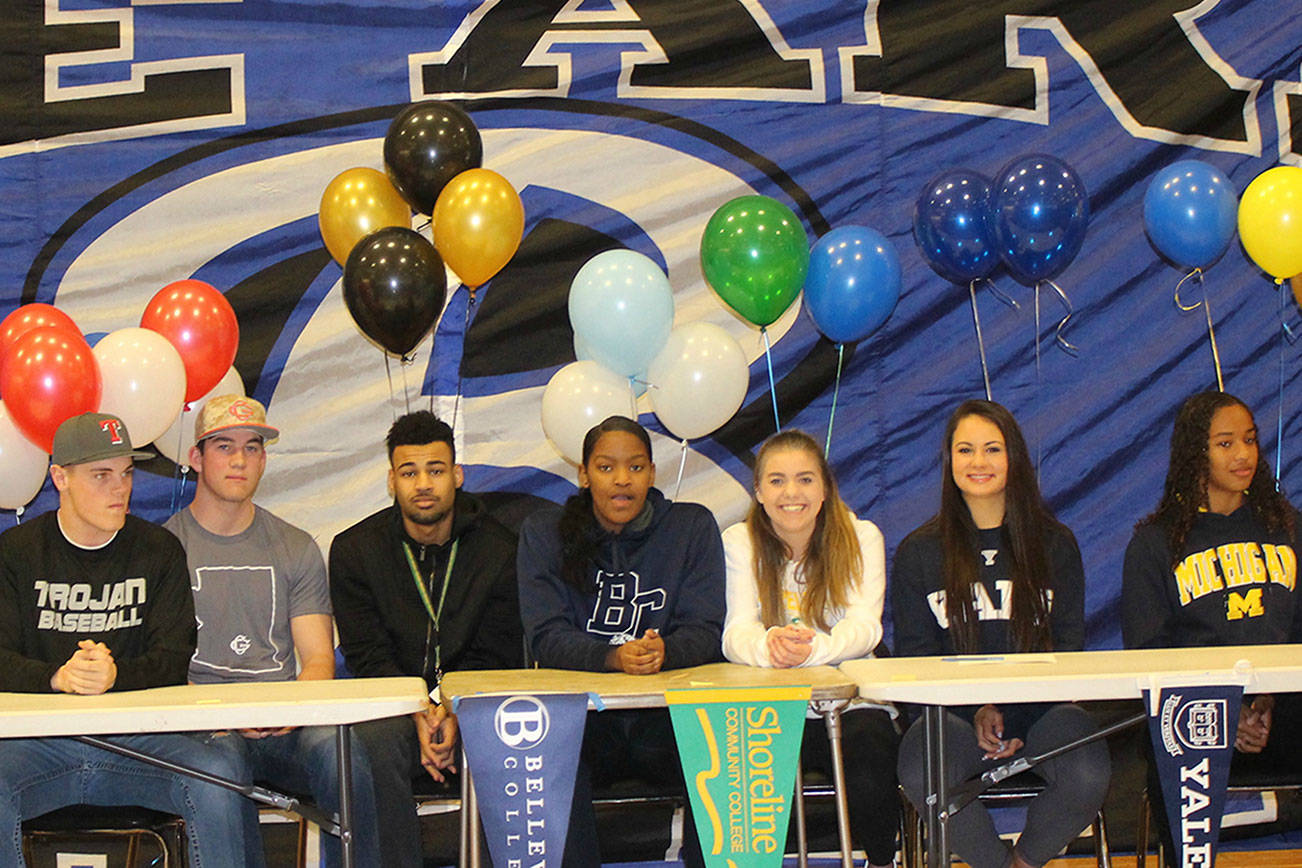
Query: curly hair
1185, 491
418, 429
1028, 522
832, 566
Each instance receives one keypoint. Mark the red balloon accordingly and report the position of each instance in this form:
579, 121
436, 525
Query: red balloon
48, 375
201, 324
32, 316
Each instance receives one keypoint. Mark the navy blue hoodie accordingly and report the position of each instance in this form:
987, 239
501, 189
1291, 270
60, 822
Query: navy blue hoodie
664, 571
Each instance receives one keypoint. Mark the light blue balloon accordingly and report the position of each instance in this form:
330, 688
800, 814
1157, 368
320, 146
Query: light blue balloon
638, 381
621, 310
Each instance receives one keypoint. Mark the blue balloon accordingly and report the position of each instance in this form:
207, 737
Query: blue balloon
952, 225
621, 309
1190, 211
853, 283
1041, 212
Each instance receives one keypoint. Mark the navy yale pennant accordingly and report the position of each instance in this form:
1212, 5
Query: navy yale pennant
1193, 731
524, 754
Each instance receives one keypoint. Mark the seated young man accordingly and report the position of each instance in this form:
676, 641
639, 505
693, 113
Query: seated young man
93, 599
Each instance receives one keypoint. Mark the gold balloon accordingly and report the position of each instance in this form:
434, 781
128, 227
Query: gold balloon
478, 224
355, 204
1296, 281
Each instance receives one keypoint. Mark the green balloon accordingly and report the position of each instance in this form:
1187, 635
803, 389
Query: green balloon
755, 254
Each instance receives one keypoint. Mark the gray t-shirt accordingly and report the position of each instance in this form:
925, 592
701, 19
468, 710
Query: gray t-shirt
247, 588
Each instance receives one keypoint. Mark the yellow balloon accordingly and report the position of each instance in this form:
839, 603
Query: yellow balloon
478, 223
355, 204
1270, 221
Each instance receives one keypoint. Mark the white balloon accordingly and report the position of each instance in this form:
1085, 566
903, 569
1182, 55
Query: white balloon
22, 465
579, 396
144, 381
175, 442
698, 380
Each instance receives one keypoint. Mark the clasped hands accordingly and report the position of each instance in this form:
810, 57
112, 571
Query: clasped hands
89, 671
789, 646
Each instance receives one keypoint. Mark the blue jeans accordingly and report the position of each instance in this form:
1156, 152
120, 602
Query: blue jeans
305, 760
38, 775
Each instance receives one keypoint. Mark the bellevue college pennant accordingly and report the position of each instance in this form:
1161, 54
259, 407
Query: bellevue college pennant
1193, 730
738, 747
524, 754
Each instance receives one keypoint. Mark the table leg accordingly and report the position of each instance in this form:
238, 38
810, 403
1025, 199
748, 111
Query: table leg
343, 742
802, 843
937, 787
831, 712
472, 826
463, 848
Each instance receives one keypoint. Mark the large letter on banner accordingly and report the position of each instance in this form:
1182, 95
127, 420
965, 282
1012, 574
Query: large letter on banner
739, 747
1193, 732
524, 752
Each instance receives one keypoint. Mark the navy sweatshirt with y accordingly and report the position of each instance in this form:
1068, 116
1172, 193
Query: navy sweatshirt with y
663, 571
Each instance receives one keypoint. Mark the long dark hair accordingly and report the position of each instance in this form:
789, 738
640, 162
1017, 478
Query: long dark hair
1187, 473
578, 521
833, 563
1028, 521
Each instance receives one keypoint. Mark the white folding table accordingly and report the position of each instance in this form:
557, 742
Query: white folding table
195, 707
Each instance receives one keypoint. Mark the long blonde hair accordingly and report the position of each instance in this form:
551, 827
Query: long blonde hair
832, 565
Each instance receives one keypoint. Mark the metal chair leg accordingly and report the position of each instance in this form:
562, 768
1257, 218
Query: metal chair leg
802, 841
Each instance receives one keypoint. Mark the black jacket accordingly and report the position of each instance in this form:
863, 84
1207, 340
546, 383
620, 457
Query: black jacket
382, 622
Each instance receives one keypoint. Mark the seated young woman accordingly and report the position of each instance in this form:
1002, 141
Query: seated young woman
621, 580
1216, 564
806, 582
994, 572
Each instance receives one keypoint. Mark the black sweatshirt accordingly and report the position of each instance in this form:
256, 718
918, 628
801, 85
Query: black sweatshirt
1234, 585
133, 595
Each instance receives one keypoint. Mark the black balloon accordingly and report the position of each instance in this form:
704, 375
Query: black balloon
427, 145
394, 286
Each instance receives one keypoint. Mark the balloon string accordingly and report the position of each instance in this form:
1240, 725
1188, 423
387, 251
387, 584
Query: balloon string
981, 344
836, 391
682, 462
773, 389
1205, 304
1279, 420
18, 515
406, 390
1039, 441
178, 490
1211, 334
1198, 273
1067, 345
456, 402
388, 373
1000, 294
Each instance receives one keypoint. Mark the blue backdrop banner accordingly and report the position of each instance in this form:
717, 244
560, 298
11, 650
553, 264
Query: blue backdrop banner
149, 142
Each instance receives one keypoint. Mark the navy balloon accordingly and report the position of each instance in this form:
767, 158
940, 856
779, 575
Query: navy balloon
853, 283
1190, 211
1041, 212
952, 226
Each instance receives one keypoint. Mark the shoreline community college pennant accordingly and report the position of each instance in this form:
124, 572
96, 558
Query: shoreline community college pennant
739, 748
